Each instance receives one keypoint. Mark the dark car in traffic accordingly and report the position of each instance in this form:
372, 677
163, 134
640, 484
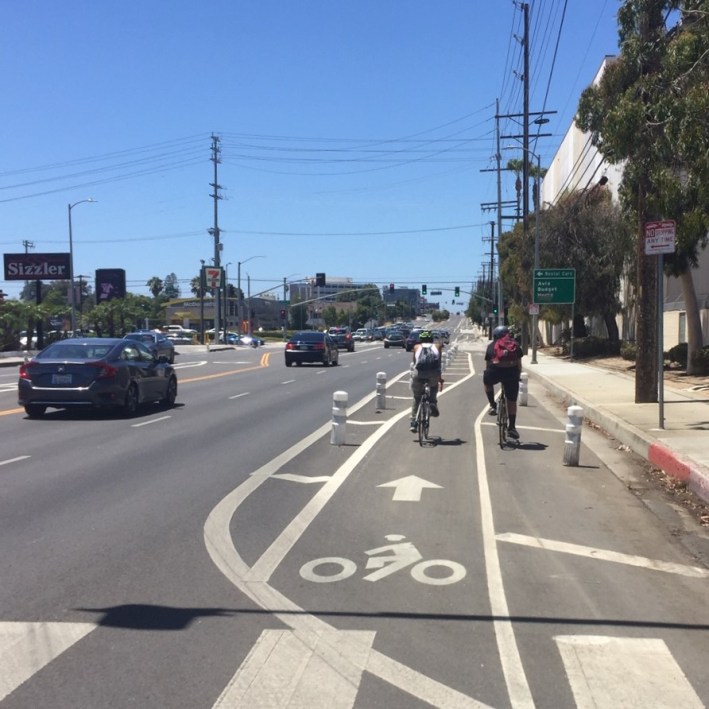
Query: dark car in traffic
394, 338
343, 338
95, 372
157, 342
312, 347
412, 339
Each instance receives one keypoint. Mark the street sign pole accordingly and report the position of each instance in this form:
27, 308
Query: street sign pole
660, 240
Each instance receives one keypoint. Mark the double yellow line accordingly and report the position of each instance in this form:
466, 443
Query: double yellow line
265, 358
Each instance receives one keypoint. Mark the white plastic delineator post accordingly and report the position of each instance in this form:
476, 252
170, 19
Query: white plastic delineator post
381, 391
572, 442
523, 385
339, 418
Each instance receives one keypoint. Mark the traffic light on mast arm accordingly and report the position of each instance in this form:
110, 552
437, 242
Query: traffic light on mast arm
391, 287
457, 291
424, 289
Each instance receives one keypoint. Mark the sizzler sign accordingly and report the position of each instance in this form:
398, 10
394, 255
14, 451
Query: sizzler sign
29, 267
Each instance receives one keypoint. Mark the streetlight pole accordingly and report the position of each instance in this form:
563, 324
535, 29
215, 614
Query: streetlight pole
72, 298
238, 285
226, 300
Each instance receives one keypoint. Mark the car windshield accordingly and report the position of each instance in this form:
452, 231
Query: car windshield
141, 337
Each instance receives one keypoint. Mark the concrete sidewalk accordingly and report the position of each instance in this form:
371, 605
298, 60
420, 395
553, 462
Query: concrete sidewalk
681, 448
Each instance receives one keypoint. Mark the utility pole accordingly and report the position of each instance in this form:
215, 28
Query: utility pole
214, 231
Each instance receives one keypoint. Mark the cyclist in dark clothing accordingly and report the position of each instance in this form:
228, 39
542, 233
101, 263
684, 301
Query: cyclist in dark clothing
507, 372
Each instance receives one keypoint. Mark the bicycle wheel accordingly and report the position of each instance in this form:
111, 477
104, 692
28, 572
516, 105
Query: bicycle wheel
502, 419
425, 418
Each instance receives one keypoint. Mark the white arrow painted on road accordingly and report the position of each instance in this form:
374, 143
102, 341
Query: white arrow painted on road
409, 489
25, 648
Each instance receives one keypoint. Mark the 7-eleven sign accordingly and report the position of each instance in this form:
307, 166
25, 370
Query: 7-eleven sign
212, 277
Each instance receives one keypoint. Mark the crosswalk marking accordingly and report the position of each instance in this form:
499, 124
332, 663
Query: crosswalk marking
624, 672
282, 671
25, 648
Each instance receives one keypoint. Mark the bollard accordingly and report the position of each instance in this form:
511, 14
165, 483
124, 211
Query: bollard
523, 382
381, 391
572, 442
339, 418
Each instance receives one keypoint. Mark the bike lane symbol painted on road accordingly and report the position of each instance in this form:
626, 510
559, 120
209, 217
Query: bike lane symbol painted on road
401, 555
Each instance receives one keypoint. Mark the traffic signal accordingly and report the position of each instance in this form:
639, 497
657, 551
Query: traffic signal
391, 287
283, 313
494, 309
319, 279
457, 291
424, 289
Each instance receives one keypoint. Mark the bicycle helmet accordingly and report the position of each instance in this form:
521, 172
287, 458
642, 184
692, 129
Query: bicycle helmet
425, 336
499, 331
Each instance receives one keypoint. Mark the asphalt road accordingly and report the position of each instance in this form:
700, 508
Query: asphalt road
224, 553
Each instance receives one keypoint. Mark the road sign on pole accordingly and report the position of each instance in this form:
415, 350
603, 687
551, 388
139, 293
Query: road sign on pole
554, 285
660, 237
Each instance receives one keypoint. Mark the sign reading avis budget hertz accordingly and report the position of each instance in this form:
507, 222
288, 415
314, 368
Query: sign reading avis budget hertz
555, 285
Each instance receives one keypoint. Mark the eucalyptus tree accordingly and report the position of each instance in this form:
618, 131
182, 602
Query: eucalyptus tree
649, 111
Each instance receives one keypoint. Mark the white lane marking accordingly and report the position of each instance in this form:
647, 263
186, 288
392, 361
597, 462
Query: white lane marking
237, 396
186, 365
512, 668
301, 478
605, 555
283, 671
288, 381
12, 386
25, 648
624, 672
221, 549
364, 423
492, 422
14, 460
409, 489
147, 423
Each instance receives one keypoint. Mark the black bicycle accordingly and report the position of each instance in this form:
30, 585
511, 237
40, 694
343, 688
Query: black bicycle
423, 414
502, 416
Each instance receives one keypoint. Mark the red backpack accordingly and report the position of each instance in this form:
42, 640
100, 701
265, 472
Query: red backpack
506, 350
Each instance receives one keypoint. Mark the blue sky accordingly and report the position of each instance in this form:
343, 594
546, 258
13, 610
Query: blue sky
354, 136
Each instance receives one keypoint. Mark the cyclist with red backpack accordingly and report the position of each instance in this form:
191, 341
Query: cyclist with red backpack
503, 359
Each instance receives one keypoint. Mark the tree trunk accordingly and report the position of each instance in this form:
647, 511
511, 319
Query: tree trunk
694, 322
646, 323
611, 328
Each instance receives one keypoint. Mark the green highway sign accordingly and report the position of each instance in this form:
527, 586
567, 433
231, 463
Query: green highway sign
554, 285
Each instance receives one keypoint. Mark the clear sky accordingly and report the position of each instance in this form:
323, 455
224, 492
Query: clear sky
354, 136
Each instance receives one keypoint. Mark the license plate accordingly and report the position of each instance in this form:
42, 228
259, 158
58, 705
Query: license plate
61, 378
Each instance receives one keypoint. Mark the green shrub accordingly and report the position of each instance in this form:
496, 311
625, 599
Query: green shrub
595, 346
678, 354
629, 351
700, 360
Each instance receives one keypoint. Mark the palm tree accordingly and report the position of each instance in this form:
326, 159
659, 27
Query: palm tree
155, 286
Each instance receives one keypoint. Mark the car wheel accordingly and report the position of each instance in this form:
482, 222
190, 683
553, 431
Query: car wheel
386, 345
170, 393
130, 403
35, 411
289, 363
335, 361
172, 358
299, 364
